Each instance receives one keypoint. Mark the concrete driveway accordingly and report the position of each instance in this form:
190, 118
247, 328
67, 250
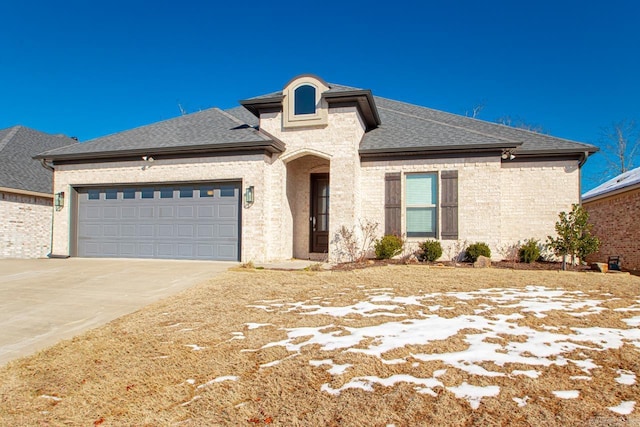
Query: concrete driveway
43, 301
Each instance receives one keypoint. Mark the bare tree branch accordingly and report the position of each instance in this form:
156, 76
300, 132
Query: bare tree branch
620, 146
519, 123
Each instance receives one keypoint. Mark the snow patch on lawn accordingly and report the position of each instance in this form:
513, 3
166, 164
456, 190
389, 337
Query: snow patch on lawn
566, 394
486, 336
624, 408
626, 377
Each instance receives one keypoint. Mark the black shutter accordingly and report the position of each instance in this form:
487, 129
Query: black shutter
392, 204
449, 205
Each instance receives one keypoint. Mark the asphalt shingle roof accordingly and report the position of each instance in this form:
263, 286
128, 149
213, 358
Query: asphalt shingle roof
411, 126
205, 128
18, 170
620, 182
404, 127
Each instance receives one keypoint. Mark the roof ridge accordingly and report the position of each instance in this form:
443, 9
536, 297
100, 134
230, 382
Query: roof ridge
448, 124
232, 117
241, 123
10, 135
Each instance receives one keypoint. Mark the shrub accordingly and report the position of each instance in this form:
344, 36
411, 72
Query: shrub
476, 249
431, 250
530, 251
389, 246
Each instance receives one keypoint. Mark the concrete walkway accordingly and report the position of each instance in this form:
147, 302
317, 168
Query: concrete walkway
43, 301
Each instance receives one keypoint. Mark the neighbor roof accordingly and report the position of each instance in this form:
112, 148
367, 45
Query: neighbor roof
18, 169
618, 184
204, 131
393, 127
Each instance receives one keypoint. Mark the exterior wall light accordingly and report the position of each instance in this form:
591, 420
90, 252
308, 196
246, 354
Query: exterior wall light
58, 200
249, 195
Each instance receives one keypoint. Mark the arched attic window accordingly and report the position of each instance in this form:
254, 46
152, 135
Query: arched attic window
305, 100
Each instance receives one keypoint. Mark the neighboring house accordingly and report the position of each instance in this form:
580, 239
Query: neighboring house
279, 176
25, 192
614, 209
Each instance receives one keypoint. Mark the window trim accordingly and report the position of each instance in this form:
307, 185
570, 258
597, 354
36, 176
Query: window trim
319, 118
300, 94
435, 206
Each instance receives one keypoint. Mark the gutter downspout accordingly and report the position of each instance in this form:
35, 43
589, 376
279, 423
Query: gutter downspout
582, 161
46, 165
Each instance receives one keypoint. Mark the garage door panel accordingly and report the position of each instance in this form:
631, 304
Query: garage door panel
110, 212
185, 250
205, 211
205, 231
186, 230
165, 231
127, 250
166, 212
228, 251
146, 230
227, 212
227, 231
110, 230
127, 212
165, 250
185, 212
91, 230
146, 212
93, 212
128, 230
109, 249
198, 221
205, 251
145, 250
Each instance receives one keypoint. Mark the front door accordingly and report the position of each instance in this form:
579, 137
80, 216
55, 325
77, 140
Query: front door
319, 219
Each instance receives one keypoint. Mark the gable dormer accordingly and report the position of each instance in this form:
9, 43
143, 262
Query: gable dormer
305, 101
303, 104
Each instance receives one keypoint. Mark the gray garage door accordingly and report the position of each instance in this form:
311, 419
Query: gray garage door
176, 222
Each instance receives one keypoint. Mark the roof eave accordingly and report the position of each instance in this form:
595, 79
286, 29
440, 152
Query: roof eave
458, 149
610, 193
255, 105
365, 101
268, 146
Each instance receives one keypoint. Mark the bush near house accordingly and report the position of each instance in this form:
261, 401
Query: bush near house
430, 251
389, 246
530, 251
476, 250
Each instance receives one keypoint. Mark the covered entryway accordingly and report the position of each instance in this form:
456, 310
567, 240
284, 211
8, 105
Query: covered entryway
182, 221
308, 194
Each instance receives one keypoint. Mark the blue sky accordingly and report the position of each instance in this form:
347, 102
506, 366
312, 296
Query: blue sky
88, 69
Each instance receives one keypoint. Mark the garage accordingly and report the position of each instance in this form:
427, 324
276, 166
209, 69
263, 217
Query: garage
183, 221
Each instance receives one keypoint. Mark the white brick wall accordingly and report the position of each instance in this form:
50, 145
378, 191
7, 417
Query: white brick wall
337, 144
250, 169
25, 226
498, 203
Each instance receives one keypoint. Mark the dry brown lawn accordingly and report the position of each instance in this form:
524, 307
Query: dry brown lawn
412, 345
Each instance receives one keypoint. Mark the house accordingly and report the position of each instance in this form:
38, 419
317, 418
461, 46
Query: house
613, 209
25, 192
280, 175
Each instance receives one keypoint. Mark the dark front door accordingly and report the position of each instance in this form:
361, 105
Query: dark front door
319, 212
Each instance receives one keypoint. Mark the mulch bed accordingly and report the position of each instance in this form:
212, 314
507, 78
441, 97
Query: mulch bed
543, 265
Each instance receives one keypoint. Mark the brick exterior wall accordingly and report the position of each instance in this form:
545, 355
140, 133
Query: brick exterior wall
617, 226
499, 203
25, 225
250, 169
